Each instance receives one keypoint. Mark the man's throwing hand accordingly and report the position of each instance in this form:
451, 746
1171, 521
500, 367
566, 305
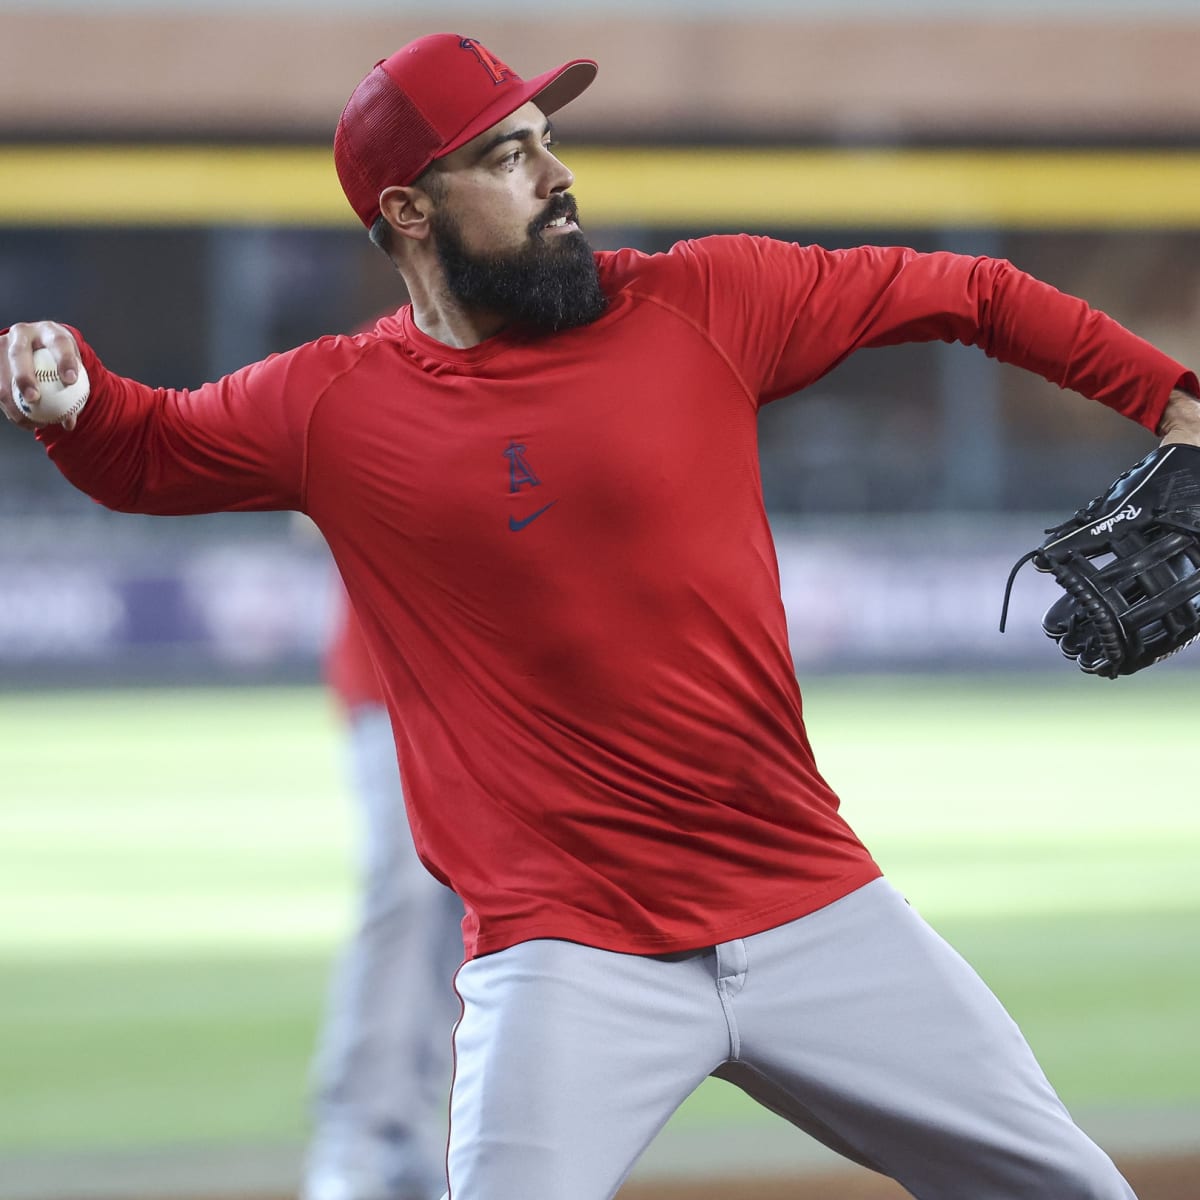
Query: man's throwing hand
17, 372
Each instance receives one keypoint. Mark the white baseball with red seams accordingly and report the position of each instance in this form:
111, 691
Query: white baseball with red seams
58, 400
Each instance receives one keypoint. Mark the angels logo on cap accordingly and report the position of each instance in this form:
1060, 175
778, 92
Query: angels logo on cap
425, 101
495, 68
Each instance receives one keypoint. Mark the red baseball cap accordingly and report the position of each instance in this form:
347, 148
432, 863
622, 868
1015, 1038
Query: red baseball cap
429, 98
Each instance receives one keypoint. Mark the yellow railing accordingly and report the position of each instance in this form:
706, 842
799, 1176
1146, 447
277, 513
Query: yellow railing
708, 187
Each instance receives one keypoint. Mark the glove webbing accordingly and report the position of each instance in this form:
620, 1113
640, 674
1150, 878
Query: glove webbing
1106, 624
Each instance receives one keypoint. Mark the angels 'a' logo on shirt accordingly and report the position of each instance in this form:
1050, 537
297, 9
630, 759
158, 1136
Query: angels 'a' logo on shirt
520, 473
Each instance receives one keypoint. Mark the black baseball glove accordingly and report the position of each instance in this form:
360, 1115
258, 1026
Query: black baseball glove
1130, 566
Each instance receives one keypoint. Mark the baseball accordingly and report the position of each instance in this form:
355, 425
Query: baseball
58, 400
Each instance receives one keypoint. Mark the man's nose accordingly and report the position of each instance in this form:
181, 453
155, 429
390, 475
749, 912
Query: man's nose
558, 177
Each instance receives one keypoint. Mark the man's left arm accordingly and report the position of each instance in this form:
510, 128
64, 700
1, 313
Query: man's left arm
870, 296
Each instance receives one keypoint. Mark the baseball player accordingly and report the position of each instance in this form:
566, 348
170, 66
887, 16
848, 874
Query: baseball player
383, 1068
540, 482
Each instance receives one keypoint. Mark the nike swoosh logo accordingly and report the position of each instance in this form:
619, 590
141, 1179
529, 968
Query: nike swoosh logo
516, 525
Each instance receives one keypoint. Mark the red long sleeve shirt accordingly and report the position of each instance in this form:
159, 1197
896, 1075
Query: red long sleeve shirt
557, 549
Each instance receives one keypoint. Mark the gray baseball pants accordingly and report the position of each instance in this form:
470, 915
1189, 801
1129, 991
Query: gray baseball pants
858, 1024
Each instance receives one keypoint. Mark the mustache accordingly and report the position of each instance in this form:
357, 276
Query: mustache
561, 205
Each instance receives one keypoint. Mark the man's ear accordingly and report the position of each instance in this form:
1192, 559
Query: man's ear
406, 210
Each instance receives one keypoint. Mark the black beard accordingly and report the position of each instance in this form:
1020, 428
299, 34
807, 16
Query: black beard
548, 285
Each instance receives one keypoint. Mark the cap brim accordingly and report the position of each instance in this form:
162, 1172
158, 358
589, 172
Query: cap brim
558, 88
549, 92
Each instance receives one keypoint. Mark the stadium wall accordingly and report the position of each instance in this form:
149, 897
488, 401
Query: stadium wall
721, 72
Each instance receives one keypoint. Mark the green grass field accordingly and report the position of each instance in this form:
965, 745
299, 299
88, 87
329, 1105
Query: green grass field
175, 870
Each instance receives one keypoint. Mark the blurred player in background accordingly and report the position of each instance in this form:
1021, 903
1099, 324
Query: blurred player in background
382, 1074
540, 484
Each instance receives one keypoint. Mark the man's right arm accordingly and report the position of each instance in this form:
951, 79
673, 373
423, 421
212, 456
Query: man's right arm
236, 444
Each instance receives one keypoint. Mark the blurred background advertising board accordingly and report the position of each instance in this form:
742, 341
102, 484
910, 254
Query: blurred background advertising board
892, 593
